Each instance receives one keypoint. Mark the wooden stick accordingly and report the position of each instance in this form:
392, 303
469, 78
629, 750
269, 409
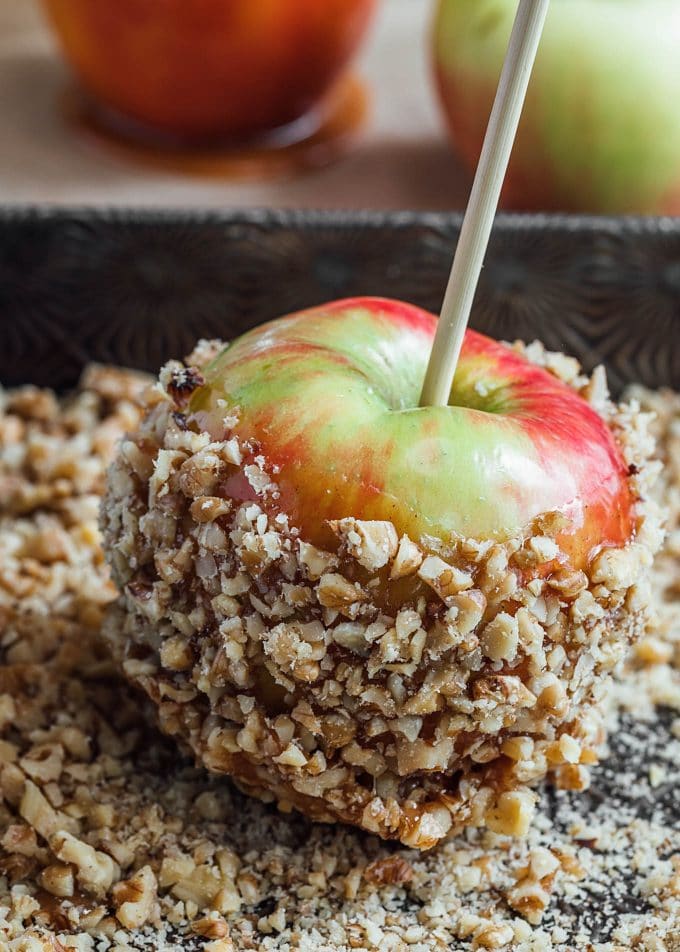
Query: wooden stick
481, 209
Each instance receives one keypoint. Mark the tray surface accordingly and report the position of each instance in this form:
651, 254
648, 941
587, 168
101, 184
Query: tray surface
136, 288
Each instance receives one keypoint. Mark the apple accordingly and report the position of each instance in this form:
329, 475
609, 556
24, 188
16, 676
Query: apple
374, 612
209, 68
600, 131
330, 396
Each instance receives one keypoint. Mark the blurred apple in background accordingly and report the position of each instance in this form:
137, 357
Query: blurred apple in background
207, 69
601, 125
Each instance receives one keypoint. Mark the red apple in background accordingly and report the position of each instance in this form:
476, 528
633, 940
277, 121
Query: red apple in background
209, 68
600, 130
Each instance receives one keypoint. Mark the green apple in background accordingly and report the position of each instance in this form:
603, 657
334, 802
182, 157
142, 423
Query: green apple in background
601, 125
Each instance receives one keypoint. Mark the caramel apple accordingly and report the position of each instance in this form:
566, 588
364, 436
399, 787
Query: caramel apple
209, 69
395, 616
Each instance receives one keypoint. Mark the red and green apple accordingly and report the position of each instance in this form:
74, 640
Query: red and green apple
600, 130
206, 68
329, 397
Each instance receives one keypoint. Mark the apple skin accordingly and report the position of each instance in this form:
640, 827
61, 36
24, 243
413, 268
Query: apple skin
206, 68
600, 131
329, 398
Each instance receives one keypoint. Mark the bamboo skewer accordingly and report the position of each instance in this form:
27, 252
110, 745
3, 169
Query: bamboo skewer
483, 202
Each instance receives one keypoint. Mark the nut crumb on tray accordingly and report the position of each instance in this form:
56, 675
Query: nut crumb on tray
111, 839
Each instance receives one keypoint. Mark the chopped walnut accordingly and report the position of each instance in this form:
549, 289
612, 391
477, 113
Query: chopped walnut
58, 879
445, 579
493, 936
391, 870
39, 813
373, 544
334, 591
512, 813
500, 638
213, 926
95, 871
466, 610
407, 559
135, 898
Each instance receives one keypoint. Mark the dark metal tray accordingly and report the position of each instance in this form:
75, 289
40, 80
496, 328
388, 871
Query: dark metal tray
135, 288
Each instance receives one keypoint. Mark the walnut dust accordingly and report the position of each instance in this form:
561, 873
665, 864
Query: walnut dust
111, 839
